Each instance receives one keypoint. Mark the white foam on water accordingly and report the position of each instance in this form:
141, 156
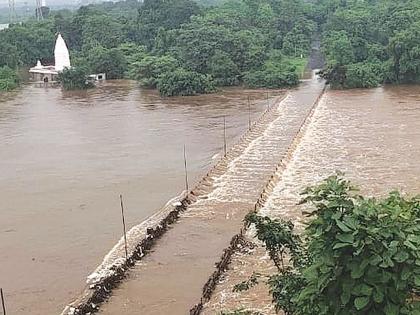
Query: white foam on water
284, 196
116, 256
238, 177
257, 157
286, 192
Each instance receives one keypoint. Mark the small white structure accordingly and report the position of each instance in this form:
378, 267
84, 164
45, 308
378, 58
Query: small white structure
98, 77
62, 61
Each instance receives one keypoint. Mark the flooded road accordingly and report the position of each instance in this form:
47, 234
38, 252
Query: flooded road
170, 279
65, 158
371, 135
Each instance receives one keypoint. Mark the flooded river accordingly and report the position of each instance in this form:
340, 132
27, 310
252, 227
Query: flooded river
170, 279
371, 135
65, 158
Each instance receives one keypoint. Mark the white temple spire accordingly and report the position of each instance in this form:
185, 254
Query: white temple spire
61, 53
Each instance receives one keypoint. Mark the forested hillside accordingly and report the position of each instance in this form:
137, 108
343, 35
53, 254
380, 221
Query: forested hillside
187, 47
367, 43
178, 46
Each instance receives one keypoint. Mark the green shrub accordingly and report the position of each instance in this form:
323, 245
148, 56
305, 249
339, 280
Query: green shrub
76, 78
365, 251
361, 255
112, 62
356, 75
335, 74
362, 75
278, 71
223, 70
182, 82
149, 69
9, 80
271, 78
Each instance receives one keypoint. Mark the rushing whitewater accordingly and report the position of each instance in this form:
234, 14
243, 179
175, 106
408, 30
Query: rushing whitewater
371, 135
87, 148
171, 278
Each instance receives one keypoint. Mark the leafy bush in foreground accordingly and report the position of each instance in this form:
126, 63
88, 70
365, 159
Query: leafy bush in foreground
359, 255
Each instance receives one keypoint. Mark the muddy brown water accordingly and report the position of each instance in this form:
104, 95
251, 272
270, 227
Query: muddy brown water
371, 135
170, 279
65, 157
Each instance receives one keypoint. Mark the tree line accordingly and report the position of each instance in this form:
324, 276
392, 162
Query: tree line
182, 47
177, 46
367, 43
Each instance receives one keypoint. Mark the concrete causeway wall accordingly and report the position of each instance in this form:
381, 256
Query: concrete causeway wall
142, 238
238, 240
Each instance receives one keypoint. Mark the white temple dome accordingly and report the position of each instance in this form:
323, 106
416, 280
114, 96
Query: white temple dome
61, 54
39, 65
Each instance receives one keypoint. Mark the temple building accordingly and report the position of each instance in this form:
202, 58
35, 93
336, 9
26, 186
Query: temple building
62, 61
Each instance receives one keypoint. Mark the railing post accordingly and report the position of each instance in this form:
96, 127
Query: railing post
224, 136
249, 113
124, 230
186, 169
2, 301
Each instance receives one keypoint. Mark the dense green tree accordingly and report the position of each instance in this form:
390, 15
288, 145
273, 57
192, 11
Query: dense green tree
296, 43
405, 51
8, 55
9, 80
167, 14
184, 83
265, 17
338, 48
362, 75
28, 42
276, 72
164, 41
198, 41
75, 78
112, 62
368, 42
223, 70
103, 30
271, 77
150, 68
147, 40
